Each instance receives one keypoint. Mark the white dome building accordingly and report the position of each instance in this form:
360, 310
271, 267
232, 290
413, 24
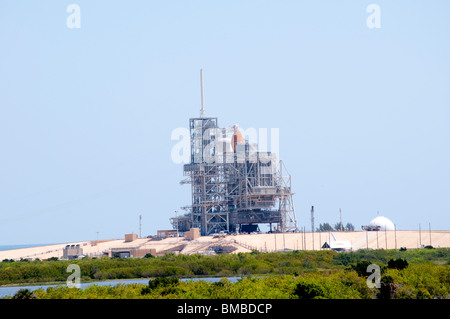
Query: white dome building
383, 222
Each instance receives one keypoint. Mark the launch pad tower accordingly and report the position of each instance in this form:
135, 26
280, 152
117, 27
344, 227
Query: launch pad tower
234, 187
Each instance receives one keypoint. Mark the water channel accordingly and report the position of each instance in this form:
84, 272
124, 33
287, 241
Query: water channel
11, 290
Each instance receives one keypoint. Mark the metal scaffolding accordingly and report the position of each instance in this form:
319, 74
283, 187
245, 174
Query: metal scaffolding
234, 187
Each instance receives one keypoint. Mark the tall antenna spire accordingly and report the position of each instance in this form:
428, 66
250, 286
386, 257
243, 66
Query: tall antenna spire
202, 112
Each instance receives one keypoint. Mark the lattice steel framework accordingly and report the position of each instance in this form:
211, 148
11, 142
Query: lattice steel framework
233, 184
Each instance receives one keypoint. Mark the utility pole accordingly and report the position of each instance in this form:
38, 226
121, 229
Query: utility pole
303, 242
378, 246
395, 233
385, 236
367, 241
140, 226
320, 240
176, 218
420, 237
312, 226
304, 235
429, 228
275, 234
97, 241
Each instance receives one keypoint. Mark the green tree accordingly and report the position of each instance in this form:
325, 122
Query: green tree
24, 294
398, 263
163, 282
168, 283
361, 268
325, 227
306, 290
349, 227
388, 288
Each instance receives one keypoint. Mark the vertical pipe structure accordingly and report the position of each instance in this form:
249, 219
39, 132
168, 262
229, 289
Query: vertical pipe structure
202, 112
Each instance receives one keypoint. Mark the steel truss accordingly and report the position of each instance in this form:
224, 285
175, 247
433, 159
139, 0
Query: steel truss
233, 186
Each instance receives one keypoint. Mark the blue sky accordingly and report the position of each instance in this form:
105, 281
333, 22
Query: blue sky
86, 114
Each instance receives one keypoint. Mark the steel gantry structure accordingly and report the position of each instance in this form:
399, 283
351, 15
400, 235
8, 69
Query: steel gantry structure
234, 186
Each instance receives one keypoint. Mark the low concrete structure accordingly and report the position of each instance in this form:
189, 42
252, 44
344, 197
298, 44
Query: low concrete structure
130, 237
192, 234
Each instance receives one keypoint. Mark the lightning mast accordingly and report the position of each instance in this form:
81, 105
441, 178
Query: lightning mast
202, 112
